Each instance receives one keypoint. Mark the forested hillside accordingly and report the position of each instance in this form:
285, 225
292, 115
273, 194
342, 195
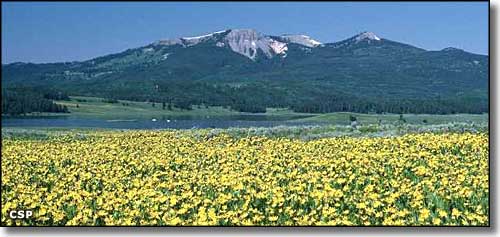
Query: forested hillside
364, 73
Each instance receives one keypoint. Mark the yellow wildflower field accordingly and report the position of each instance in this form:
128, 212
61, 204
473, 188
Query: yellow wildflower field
174, 178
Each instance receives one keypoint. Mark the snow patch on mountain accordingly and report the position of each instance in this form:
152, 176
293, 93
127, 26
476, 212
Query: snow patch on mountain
190, 41
300, 39
165, 56
367, 36
278, 47
203, 36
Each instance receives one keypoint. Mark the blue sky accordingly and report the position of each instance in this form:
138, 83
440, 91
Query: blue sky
55, 32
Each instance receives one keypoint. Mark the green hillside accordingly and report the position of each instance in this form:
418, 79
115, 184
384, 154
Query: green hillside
368, 76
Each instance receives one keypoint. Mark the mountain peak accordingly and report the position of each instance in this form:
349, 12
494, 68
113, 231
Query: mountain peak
204, 36
198, 39
366, 36
300, 39
451, 49
243, 31
188, 41
249, 42
244, 34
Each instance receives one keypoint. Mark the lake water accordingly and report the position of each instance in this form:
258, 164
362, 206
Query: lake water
184, 122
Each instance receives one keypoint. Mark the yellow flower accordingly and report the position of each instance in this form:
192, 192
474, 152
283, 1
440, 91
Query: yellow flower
455, 212
424, 213
361, 205
102, 213
194, 177
442, 213
173, 200
211, 214
182, 211
42, 211
175, 221
163, 199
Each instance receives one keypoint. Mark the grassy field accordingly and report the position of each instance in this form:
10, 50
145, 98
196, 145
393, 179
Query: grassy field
92, 107
95, 108
301, 132
343, 118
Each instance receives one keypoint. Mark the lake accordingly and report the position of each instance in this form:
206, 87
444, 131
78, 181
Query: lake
178, 122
